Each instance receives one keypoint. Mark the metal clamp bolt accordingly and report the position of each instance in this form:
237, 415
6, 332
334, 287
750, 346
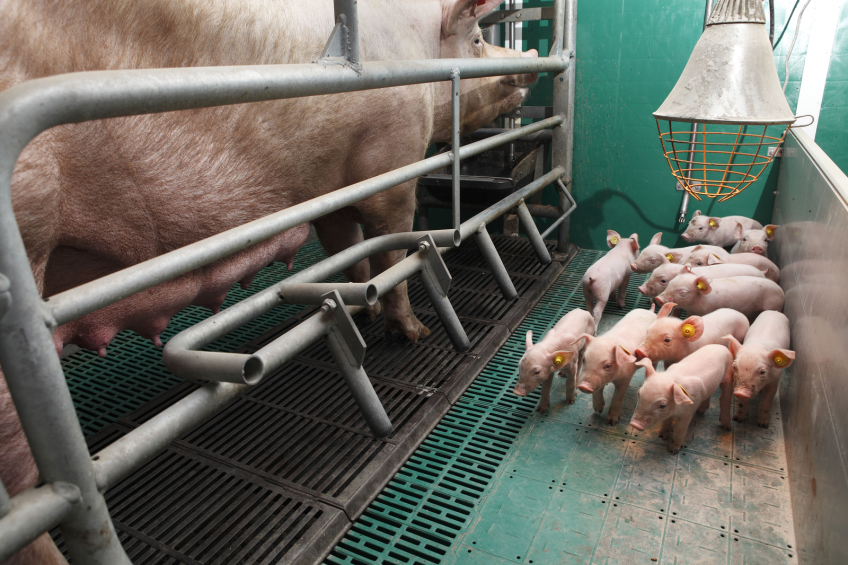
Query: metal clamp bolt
329, 305
423, 246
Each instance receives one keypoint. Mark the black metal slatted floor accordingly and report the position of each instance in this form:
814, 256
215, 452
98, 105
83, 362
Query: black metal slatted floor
280, 473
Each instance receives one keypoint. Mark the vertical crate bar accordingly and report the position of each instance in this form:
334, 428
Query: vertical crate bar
565, 28
455, 145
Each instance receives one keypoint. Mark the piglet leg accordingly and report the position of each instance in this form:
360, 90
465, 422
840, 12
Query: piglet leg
741, 410
545, 400
765, 405
622, 291
598, 400
667, 426
726, 399
615, 404
680, 430
571, 386
705, 405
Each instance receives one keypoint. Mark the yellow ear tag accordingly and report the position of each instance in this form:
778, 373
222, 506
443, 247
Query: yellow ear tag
769, 232
670, 257
558, 360
614, 240
701, 285
716, 256
713, 224
684, 390
688, 330
780, 360
625, 350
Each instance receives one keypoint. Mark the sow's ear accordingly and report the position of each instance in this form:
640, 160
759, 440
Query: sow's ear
612, 238
781, 358
770, 229
680, 396
459, 15
560, 359
656, 239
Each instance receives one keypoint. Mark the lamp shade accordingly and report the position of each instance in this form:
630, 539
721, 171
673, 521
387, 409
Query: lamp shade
731, 76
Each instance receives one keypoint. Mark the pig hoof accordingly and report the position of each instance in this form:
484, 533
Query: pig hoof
569, 400
763, 424
408, 326
542, 407
664, 435
739, 417
673, 448
612, 420
725, 425
374, 311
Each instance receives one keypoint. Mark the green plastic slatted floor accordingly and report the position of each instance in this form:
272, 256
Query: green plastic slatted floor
496, 482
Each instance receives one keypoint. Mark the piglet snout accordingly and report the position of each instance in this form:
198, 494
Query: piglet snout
637, 425
758, 250
659, 300
633, 267
586, 387
643, 290
641, 353
741, 393
520, 391
685, 236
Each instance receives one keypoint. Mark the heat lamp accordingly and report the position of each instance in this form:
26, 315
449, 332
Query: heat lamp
714, 125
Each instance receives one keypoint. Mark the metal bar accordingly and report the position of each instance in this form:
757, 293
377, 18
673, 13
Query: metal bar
563, 191
446, 314
520, 15
469, 227
360, 387
536, 210
499, 272
347, 9
533, 233
455, 145
121, 457
96, 294
358, 294
562, 153
33, 512
482, 133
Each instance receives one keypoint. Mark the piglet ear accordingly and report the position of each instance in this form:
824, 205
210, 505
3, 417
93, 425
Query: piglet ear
712, 259
528, 340
687, 269
587, 337
635, 243
622, 356
697, 248
680, 396
770, 229
692, 328
737, 231
715, 223
560, 359
674, 256
648, 365
781, 358
656, 239
702, 285
733, 344
666, 309
612, 238
696, 214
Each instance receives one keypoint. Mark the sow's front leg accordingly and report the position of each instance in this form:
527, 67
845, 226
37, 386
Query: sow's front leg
392, 212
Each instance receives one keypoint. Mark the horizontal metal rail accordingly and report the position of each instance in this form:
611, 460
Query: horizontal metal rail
87, 298
33, 512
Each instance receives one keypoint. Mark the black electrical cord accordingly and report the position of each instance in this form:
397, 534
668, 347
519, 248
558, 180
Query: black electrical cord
789, 19
771, 23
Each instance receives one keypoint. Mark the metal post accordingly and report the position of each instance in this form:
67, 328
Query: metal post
455, 145
684, 198
434, 282
565, 30
33, 512
490, 254
347, 10
532, 233
44, 404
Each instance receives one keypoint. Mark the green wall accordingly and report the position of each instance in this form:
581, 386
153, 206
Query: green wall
629, 56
